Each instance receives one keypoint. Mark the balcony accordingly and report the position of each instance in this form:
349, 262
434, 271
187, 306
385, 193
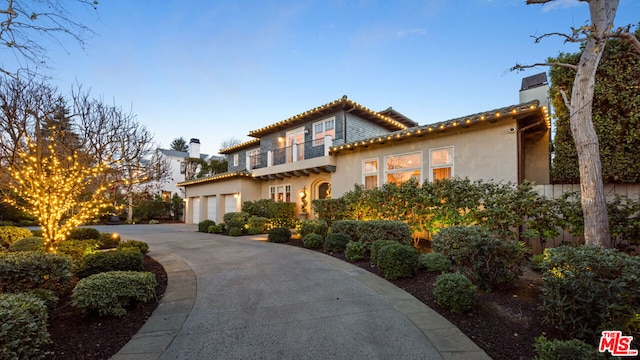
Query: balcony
303, 159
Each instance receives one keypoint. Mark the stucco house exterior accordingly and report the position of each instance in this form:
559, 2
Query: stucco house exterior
323, 152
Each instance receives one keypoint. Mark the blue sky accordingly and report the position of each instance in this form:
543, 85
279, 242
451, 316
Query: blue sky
215, 70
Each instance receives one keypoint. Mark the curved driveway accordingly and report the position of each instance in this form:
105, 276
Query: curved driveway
239, 298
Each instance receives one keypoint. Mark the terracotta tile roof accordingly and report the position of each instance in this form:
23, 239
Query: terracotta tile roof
344, 103
518, 110
217, 177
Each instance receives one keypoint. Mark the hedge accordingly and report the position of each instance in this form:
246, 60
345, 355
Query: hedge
23, 329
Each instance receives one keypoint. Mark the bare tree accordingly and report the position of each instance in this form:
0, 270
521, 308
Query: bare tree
65, 180
26, 26
594, 38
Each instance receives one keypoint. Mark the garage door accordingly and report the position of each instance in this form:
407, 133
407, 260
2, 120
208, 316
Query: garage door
230, 204
196, 209
212, 208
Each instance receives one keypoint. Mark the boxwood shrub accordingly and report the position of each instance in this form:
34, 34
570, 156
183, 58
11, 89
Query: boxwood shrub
376, 246
489, 261
109, 293
279, 235
77, 249
374, 230
31, 243
129, 259
434, 262
11, 234
336, 242
235, 231
203, 226
236, 219
26, 270
312, 241
355, 251
564, 349
142, 246
589, 289
23, 330
456, 292
319, 227
109, 240
84, 233
216, 229
257, 225
397, 261
348, 227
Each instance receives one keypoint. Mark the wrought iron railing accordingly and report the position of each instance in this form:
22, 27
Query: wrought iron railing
287, 154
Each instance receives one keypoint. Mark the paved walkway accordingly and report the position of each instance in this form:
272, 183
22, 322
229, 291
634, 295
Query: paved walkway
239, 298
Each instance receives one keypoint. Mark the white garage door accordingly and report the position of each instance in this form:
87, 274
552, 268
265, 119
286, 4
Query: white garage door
196, 209
212, 208
230, 204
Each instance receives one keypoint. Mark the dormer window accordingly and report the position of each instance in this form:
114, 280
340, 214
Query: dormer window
322, 129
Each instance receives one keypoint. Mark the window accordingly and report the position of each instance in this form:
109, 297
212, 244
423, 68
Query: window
235, 159
400, 168
254, 158
280, 193
441, 163
322, 129
166, 196
370, 173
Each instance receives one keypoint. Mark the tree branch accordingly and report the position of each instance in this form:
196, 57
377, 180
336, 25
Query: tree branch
626, 35
519, 67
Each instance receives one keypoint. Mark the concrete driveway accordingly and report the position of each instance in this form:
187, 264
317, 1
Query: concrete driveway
244, 298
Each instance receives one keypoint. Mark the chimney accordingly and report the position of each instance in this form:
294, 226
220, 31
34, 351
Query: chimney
535, 87
194, 148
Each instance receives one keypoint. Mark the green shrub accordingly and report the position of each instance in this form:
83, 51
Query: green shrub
397, 261
216, 229
126, 259
456, 292
355, 251
259, 208
535, 261
77, 249
48, 297
11, 234
111, 292
288, 223
257, 225
279, 235
26, 270
108, 240
37, 233
31, 243
235, 231
491, 262
374, 230
312, 241
434, 262
283, 212
376, 246
7, 223
565, 349
203, 226
329, 210
348, 227
589, 289
142, 246
23, 330
154, 221
84, 233
313, 227
336, 242
236, 219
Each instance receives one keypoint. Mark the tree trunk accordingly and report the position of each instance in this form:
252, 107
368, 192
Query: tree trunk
594, 207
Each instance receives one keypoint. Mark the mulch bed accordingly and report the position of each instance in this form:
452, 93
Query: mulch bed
77, 336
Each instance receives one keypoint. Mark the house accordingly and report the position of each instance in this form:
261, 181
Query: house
325, 151
178, 168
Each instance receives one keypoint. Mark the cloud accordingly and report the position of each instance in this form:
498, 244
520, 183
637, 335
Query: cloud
412, 32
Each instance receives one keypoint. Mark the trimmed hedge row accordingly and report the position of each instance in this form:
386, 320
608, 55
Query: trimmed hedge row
373, 230
11, 234
26, 270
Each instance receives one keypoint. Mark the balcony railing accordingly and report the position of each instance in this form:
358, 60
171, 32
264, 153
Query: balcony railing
297, 152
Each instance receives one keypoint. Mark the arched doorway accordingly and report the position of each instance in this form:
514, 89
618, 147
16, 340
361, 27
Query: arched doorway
324, 190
